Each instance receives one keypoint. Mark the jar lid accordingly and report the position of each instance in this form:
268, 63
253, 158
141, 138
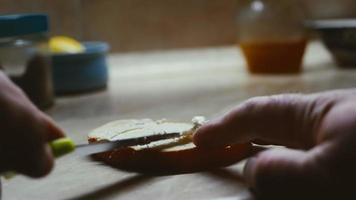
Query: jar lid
22, 24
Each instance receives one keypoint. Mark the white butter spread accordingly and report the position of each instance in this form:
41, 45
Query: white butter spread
125, 129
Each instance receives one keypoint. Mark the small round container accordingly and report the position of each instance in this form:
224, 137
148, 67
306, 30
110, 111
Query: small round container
24, 55
81, 72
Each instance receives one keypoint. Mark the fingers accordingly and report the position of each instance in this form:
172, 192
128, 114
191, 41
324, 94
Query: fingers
36, 164
339, 127
40, 159
52, 130
25, 134
288, 174
41, 162
283, 119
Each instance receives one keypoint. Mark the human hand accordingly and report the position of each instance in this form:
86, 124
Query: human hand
320, 131
24, 132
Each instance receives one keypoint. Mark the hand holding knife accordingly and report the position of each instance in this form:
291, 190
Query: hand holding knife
64, 146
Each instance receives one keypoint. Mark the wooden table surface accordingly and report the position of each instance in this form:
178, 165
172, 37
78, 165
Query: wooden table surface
175, 85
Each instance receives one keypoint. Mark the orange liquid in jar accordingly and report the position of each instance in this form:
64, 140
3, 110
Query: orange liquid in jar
274, 57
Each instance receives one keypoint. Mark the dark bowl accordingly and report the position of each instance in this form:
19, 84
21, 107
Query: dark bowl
339, 36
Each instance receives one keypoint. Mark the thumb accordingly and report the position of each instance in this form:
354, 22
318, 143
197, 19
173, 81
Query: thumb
285, 174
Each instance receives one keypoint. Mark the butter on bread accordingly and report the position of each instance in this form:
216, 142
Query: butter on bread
164, 157
125, 129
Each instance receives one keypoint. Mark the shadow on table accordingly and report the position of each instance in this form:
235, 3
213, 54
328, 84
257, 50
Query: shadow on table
115, 188
227, 175
130, 183
232, 177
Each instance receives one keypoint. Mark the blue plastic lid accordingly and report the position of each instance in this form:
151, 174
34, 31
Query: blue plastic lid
22, 24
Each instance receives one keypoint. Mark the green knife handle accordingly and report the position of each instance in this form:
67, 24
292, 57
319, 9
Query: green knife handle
60, 147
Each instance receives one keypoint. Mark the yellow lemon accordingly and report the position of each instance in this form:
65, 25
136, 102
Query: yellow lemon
63, 44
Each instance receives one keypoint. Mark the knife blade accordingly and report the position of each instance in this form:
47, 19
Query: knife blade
88, 149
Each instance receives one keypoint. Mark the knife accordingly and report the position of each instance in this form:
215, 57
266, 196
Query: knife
63, 146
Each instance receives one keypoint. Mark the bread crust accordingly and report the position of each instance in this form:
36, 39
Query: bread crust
157, 162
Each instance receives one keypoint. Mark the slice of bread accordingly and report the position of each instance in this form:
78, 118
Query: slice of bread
170, 156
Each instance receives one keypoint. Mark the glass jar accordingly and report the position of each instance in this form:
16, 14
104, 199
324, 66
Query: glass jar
24, 55
271, 35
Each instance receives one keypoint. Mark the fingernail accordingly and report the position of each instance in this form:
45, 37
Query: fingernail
248, 171
206, 135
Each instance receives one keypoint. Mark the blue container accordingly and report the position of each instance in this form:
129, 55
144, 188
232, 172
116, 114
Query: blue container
81, 72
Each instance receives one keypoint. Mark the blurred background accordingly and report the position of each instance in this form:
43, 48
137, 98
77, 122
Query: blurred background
171, 59
136, 25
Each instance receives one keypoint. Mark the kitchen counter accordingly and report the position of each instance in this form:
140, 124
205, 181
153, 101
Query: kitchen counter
176, 85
